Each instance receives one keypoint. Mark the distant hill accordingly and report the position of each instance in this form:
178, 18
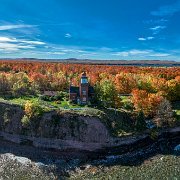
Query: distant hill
105, 62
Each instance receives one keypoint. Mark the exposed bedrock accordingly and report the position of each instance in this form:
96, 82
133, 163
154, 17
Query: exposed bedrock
65, 130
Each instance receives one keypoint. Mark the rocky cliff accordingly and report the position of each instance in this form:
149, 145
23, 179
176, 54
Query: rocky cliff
54, 124
67, 130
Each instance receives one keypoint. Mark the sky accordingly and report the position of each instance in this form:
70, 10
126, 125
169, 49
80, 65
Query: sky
90, 29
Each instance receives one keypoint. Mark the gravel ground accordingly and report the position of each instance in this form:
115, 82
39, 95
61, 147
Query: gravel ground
24, 162
14, 167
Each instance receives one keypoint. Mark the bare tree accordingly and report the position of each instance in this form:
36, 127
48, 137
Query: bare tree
164, 115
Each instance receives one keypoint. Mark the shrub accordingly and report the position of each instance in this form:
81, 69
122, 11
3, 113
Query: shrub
126, 103
140, 124
6, 115
33, 109
44, 98
61, 96
25, 120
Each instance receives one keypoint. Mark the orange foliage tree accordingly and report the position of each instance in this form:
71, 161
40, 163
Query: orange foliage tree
145, 102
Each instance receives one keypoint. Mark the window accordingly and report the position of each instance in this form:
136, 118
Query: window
84, 99
84, 93
84, 80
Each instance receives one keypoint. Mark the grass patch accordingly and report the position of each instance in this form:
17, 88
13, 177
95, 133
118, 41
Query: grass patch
50, 104
160, 167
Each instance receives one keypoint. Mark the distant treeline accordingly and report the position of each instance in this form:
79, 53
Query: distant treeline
154, 63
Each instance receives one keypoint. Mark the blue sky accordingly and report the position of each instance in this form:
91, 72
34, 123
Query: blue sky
97, 29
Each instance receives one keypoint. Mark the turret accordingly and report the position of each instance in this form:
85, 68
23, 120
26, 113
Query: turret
84, 79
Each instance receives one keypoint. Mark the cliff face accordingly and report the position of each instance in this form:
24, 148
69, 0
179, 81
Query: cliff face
72, 127
10, 118
65, 130
54, 124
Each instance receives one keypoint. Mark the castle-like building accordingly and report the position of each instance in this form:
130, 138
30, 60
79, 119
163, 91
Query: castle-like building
82, 94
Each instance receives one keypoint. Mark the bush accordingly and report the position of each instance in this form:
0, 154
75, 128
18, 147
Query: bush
25, 120
140, 124
33, 109
126, 103
59, 97
44, 98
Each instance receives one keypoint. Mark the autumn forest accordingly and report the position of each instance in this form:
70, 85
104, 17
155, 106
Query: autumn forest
146, 87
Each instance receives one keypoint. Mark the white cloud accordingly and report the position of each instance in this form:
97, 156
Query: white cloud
33, 42
69, 49
140, 53
56, 53
157, 29
150, 37
123, 53
167, 10
73, 50
67, 35
137, 52
7, 39
12, 26
131, 52
10, 39
8, 44
159, 54
156, 21
145, 38
106, 49
7, 47
142, 39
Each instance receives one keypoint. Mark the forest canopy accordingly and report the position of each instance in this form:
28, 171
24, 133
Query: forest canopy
148, 86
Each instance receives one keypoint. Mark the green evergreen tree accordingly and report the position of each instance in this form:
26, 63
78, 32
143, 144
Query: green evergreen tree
140, 124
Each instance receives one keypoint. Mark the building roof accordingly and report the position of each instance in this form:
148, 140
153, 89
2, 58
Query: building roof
83, 74
74, 89
50, 93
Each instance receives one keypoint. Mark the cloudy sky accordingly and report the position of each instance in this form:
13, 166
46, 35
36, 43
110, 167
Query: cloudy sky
97, 29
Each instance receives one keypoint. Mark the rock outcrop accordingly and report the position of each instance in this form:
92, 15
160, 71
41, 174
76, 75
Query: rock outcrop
53, 129
65, 130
